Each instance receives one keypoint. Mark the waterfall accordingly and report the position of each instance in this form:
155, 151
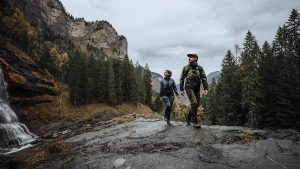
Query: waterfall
14, 135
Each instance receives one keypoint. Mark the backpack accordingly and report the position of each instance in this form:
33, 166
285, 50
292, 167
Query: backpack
197, 71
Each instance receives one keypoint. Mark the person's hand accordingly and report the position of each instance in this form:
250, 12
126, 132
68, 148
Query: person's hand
161, 98
205, 92
182, 93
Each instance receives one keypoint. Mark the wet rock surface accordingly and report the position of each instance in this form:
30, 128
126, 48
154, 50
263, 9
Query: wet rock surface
152, 144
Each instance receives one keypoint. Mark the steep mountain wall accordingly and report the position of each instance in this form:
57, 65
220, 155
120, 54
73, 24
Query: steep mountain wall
98, 38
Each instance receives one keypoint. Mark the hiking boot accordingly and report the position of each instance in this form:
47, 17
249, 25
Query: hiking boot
188, 123
169, 123
198, 126
165, 119
187, 119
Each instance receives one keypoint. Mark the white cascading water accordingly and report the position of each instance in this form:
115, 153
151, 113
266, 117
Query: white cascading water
14, 135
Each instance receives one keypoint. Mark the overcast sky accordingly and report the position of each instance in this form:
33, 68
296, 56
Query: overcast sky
162, 32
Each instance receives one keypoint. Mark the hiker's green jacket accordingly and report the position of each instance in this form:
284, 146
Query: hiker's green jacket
193, 74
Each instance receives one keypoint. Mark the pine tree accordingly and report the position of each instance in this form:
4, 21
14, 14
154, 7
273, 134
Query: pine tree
100, 78
141, 90
110, 84
230, 89
129, 81
91, 76
118, 81
132, 83
285, 89
73, 78
126, 79
211, 104
287, 61
293, 54
83, 78
267, 72
148, 86
270, 82
250, 80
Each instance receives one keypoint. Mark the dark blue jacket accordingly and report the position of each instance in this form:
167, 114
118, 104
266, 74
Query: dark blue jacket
167, 87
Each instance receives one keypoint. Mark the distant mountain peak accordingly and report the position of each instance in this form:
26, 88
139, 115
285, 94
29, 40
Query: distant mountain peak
213, 75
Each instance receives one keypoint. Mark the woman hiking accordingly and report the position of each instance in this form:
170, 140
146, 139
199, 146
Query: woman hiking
167, 89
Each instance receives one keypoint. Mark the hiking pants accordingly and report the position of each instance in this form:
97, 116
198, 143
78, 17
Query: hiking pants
194, 97
168, 100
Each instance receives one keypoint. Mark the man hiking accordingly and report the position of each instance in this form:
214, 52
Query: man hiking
193, 75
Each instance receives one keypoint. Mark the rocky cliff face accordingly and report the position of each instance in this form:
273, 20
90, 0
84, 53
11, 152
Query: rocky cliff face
98, 38
25, 77
155, 81
28, 84
40, 36
99, 35
46, 33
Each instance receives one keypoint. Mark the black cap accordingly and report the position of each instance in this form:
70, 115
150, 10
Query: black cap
192, 55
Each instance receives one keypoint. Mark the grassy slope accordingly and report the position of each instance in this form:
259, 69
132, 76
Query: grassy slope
53, 112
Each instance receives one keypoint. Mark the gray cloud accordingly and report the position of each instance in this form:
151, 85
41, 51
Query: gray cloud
162, 32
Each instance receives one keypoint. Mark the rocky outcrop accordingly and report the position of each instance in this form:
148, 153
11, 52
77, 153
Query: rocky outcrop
150, 143
28, 84
155, 81
213, 75
97, 38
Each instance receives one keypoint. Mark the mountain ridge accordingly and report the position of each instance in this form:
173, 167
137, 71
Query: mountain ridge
98, 38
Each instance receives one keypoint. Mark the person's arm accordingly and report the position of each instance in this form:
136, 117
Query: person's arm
204, 79
175, 88
161, 89
182, 77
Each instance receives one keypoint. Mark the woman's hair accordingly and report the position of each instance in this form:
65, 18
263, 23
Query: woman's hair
169, 72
